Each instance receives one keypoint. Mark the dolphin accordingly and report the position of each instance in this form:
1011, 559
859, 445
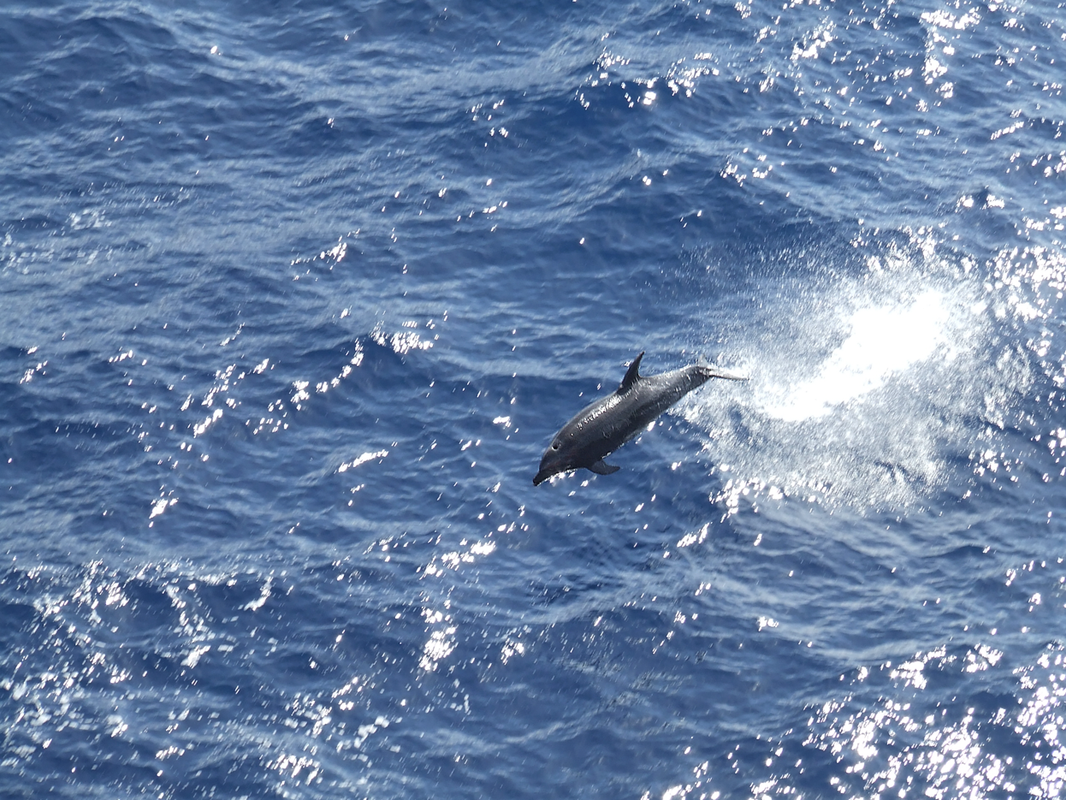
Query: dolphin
604, 426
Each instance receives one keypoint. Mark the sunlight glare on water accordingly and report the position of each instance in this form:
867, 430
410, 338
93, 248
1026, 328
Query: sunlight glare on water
912, 746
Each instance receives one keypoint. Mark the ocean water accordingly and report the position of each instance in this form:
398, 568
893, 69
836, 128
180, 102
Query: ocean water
294, 295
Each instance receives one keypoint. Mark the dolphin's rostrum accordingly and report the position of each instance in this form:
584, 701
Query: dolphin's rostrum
610, 422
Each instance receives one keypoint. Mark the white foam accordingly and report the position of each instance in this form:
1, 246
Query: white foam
885, 340
864, 391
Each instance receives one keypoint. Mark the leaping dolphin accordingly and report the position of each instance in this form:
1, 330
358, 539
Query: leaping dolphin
604, 426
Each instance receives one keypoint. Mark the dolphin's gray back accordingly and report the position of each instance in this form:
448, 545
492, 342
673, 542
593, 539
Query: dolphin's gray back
651, 396
609, 423
605, 425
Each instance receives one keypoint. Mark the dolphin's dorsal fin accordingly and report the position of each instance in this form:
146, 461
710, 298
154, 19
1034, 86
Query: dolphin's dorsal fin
632, 376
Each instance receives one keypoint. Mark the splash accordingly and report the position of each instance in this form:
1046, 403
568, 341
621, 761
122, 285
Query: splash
885, 341
869, 392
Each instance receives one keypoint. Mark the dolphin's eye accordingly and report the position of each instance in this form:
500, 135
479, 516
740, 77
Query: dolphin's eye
555, 445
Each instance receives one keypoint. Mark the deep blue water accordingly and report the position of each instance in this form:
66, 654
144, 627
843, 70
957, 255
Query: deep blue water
293, 296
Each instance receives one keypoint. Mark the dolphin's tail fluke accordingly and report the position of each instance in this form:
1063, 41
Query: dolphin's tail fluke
708, 372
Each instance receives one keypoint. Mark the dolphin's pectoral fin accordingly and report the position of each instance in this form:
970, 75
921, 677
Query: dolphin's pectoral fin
603, 468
